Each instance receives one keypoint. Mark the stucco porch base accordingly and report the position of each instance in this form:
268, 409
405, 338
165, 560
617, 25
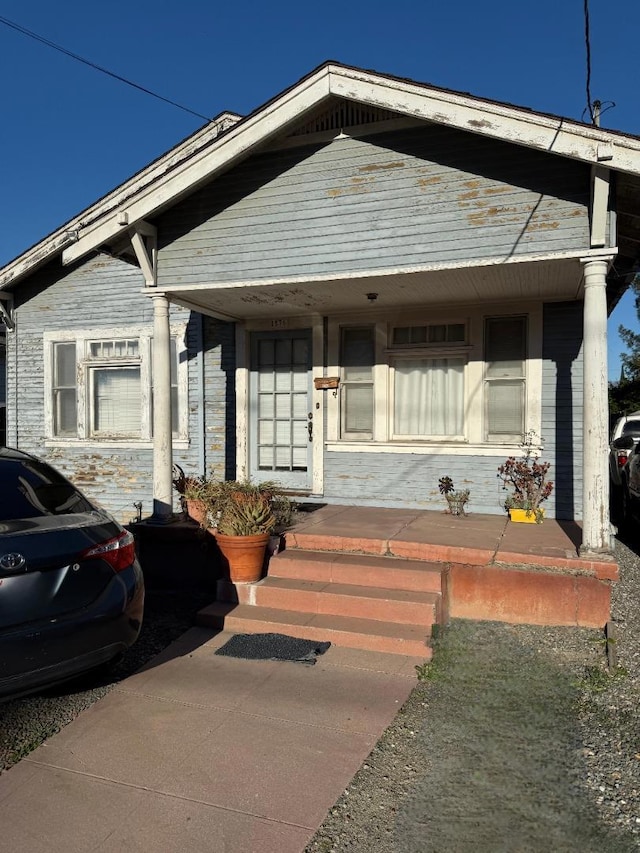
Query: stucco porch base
492, 569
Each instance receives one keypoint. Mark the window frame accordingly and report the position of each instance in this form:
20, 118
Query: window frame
473, 441
87, 364
345, 384
521, 380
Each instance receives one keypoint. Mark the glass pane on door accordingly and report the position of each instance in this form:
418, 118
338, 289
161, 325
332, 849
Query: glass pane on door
280, 407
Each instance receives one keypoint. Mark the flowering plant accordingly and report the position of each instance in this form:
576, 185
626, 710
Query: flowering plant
528, 479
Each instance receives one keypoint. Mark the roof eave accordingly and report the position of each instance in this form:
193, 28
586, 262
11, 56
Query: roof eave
208, 152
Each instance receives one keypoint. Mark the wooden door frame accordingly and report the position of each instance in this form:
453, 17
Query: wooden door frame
243, 330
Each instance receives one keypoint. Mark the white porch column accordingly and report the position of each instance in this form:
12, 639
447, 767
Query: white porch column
162, 442
595, 497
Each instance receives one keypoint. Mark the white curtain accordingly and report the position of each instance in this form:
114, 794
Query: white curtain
428, 397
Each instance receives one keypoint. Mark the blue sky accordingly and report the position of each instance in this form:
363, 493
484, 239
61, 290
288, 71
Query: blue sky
70, 134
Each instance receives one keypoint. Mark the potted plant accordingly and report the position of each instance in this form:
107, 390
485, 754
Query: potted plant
246, 515
194, 494
527, 477
456, 500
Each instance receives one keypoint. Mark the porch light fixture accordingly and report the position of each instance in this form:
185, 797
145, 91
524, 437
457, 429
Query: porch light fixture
372, 297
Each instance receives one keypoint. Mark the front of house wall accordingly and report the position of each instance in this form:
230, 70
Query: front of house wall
118, 475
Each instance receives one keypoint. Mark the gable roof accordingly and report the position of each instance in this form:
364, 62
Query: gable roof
228, 139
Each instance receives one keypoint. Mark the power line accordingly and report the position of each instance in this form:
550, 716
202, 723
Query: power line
93, 65
587, 38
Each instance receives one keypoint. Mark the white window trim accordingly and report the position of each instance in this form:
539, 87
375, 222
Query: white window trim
472, 443
81, 337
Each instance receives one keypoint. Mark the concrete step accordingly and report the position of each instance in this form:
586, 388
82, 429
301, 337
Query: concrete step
349, 631
358, 570
408, 607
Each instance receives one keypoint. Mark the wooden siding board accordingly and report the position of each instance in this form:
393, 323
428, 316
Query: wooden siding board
562, 409
408, 480
3, 372
417, 196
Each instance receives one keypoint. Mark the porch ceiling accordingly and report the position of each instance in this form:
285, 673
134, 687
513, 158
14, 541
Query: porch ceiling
498, 283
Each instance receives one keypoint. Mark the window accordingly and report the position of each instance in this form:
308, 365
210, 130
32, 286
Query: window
425, 369
434, 333
65, 407
419, 380
505, 359
113, 368
357, 358
428, 397
101, 385
427, 380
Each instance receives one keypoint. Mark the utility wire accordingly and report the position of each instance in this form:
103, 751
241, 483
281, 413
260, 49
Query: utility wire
93, 65
587, 38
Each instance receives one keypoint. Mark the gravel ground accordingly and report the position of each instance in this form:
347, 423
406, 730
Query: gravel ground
520, 738
25, 723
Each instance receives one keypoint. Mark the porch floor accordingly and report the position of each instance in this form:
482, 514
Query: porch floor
474, 539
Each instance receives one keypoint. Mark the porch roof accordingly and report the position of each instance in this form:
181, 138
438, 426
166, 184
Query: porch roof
500, 280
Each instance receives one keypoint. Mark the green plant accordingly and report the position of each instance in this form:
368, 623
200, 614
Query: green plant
242, 508
245, 515
597, 680
423, 671
456, 500
528, 479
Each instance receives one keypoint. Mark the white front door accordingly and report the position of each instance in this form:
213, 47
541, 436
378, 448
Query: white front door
280, 412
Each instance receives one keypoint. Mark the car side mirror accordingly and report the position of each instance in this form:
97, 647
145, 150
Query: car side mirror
625, 442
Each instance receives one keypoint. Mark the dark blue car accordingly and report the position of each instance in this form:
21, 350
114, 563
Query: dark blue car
71, 588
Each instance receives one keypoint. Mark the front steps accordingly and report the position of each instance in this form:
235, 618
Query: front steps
381, 604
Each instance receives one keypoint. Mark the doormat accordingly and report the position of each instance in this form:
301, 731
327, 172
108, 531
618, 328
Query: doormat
273, 647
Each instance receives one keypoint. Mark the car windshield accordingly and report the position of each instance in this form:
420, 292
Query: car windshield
30, 489
631, 428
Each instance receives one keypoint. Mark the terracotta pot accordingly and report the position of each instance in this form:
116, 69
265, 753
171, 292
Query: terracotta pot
195, 509
524, 517
244, 556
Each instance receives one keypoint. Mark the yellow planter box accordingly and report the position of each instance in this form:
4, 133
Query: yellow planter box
525, 516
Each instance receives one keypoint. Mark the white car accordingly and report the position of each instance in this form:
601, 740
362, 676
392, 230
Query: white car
625, 425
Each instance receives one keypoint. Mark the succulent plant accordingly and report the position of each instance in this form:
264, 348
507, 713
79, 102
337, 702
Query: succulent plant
245, 514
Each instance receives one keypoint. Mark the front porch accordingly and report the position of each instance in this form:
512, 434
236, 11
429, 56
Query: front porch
381, 578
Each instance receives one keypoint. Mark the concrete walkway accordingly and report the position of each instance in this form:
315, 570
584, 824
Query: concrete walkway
199, 752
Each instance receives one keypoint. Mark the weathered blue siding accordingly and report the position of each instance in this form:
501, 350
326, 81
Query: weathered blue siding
411, 480
105, 292
562, 405
419, 196
3, 368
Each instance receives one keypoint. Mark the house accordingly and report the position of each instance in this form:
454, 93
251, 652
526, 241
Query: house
364, 285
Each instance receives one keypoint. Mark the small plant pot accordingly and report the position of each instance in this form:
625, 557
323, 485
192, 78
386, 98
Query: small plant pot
526, 516
196, 510
243, 555
455, 506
